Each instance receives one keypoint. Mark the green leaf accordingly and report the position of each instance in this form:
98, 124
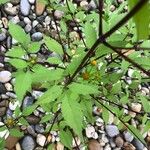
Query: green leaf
102, 50
16, 51
16, 133
23, 121
53, 45
2, 143
34, 47
83, 89
116, 88
137, 134
29, 110
3, 1
18, 34
66, 138
42, 74
46, 118
90, 34
22, 84
142, 23
18, 63
145, 103
76, 60
105, 115
86, 105
50, 95
72, 113
54, 60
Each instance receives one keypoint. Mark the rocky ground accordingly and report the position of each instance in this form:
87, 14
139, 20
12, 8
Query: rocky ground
34, 18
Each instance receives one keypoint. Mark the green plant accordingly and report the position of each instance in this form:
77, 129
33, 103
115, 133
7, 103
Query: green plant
75, 81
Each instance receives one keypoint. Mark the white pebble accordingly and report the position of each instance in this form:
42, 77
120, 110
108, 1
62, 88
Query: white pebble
41, 139
13, 105
8, 87
5, 76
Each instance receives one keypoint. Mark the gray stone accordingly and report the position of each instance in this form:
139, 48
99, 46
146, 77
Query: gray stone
2, 111
138, 144
27, 102
15, 19
28, 143
9, 42
25, 7
35, 23
92, 5
12, 95
37, 36
112, 130
2, 37
37, 94
128, 136
5, 76
31, 130
9, 113
39, 128
2, 89
28, 28
27, 20
47, 20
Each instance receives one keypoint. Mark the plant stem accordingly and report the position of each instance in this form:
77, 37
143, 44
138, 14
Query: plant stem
54, 120
100, 17
128, 59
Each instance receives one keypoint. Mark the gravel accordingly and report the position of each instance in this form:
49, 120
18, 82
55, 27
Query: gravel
112, 130
25, 7
28, 143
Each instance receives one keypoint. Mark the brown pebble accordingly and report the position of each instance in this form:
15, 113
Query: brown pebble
2, 111
119, 141
33, 119
94, 145
4, 103
39, 8
128, 146
59, 146
11, 141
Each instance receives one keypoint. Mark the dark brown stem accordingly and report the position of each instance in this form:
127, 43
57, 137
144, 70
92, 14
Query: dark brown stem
100, 17
131, 48
103, 99
66, 56
54, 120
77, 146
113, 60
127, 59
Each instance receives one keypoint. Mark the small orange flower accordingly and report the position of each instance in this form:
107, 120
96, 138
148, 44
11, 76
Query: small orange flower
85, 76
93, 62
